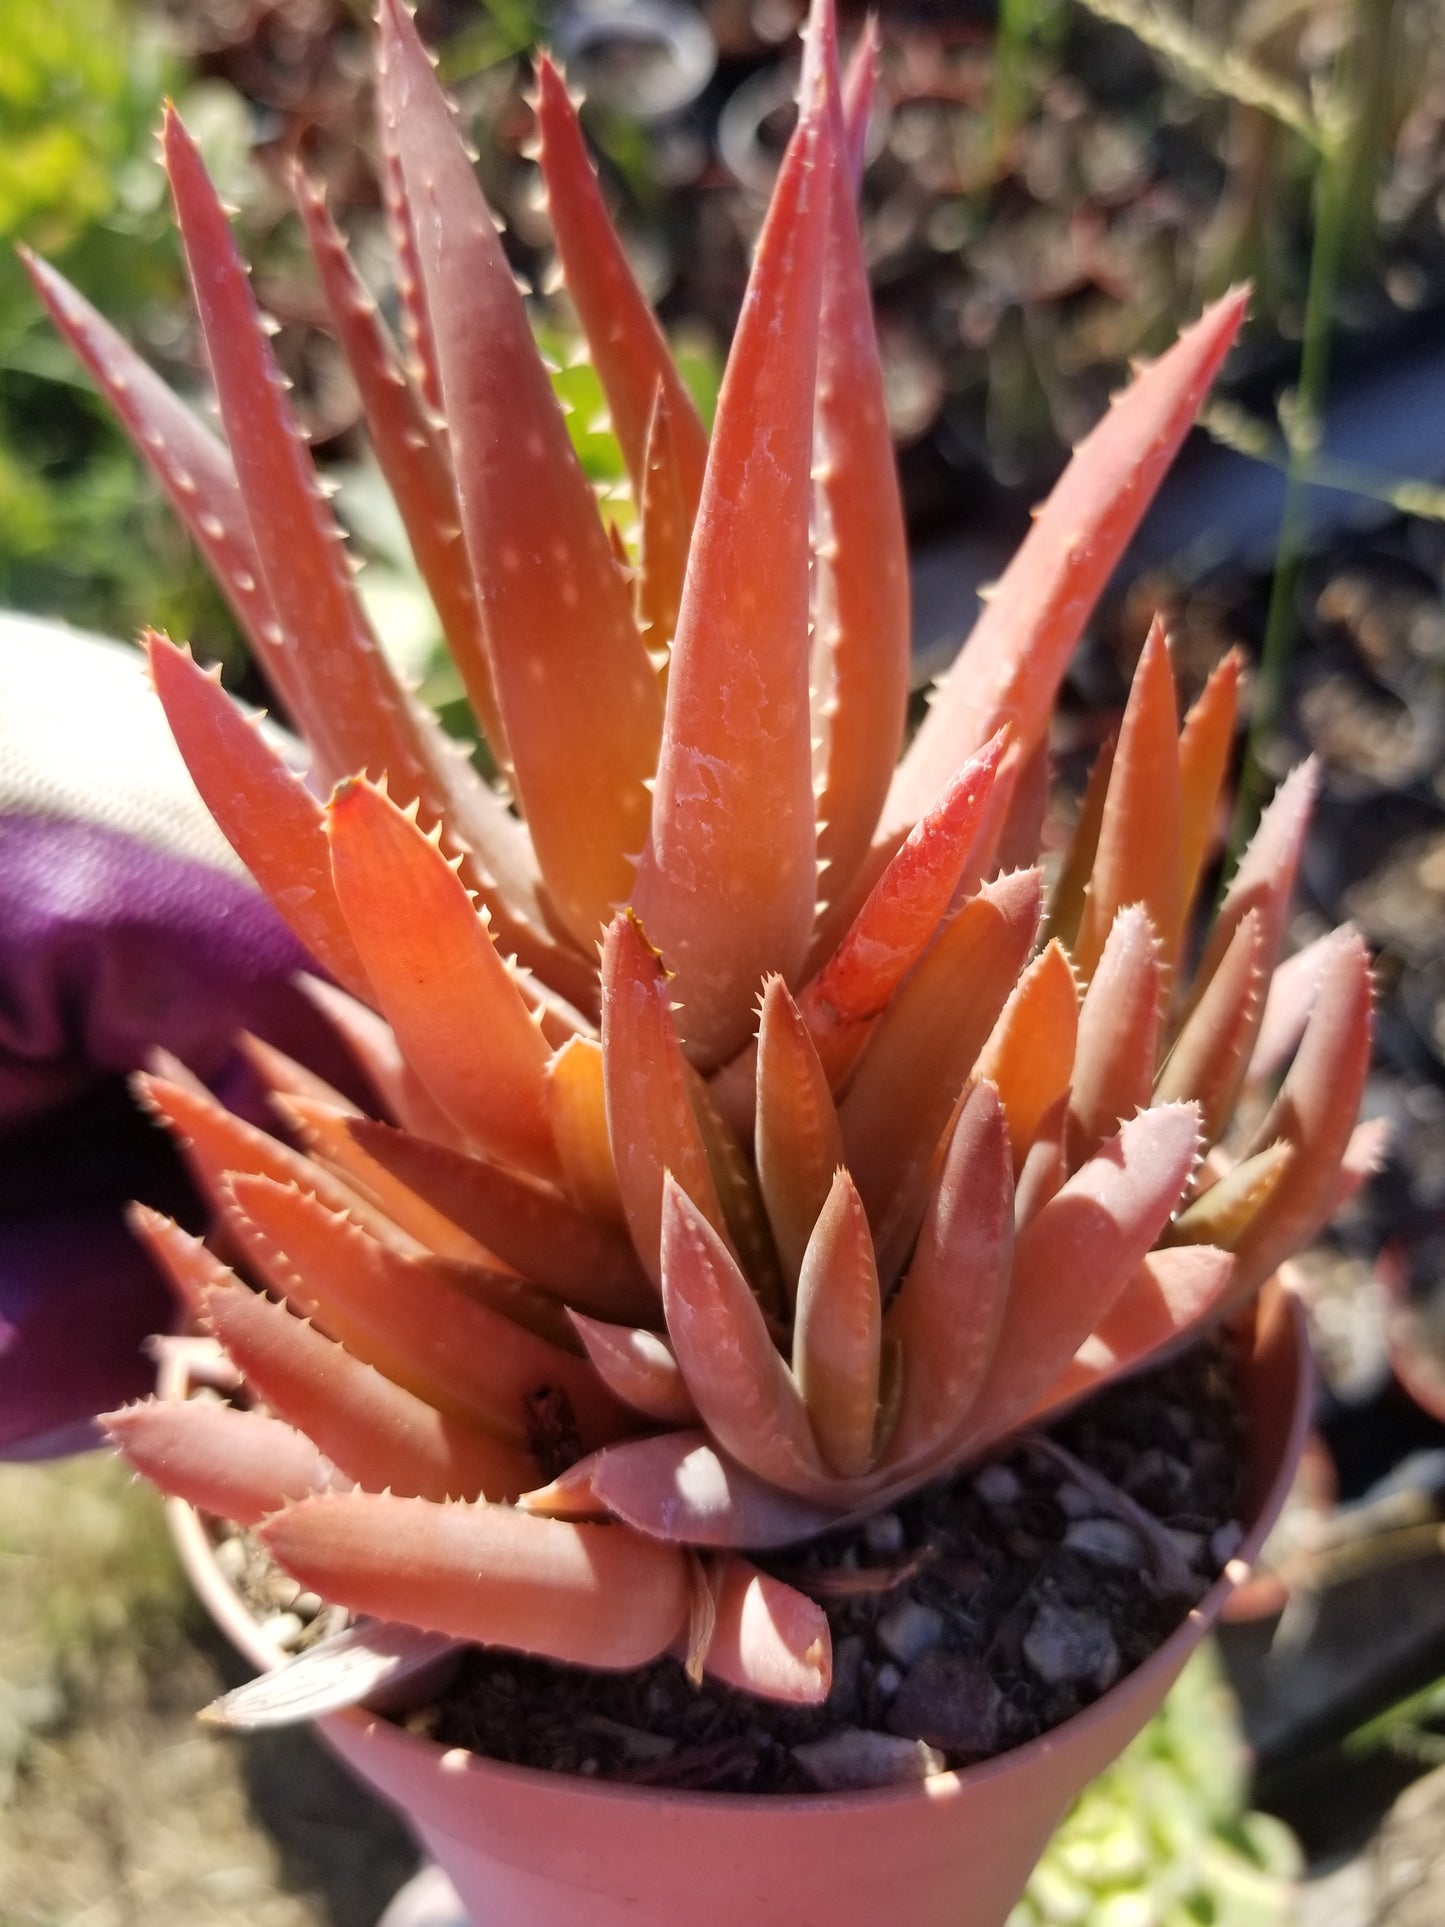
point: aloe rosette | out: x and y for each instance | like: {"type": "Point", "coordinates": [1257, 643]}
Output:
{"type": "Point", "coordinates": [866, 1145]}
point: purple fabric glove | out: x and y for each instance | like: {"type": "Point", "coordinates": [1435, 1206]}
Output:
{"type": "Point", "coordinates": [125, 922]}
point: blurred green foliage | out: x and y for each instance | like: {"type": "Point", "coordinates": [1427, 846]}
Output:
{"type": "Point", "coordinates": [1163, 1838]}
{"type": "Point", "coordinates": [83, 534]}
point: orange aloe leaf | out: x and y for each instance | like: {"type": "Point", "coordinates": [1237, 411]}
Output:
{"type": "Point", "coordinates": [743, 1389]}
{"type": "Point", "coordinates": [911, 1074]}
{"type": "Point", "coordinates": [264, 809]}
{"type": "Point", "coordinates": [1222, 1214]}
{"type": "Point", "coordinates": [1075, 1258]}
{"type": "Point", "coordinates": [405, 1317]}
{"type": "Point", "coordinates": [624, 339]}
{"type": "Point", "coordinates": [214, 1141]}
{"type": "Point", "coordinates": [326, 1132]}
{"type": "Point", "coordinates": [1044, 1167]}
{"type": "Point", "coordinates": [727, 883]}
{"type": "Point", "coordinates": [1118, 1041]}
{"type": "Point", "coordinates": [768, 1638]}
{"type": "Point", "coordinates": [1163, 1305]}
{"type": "Point", "coordinates": [458, 1015]}
{"type": "Point", "coordinates": [640, 1368]}
{"type": "Point", "coordinates": [1314, 1112]}
{"type": "Point", "coordinates": [578, 697]}
{"type": "Point", "coordinates": [577, 1107]}
{"type": "Point", "coordinates": [838, 1332]}
{"type": "Point", "coordinates": [1264, 881]}
{"type": "Point", "coordinates": [650, 1118]}
{"type": "Point", "coordinates": [1210, 1056]}
{"type": "Point", "coordinates": [949, 1309]}
{"type": "Point", "coordinates": [799, 1144]}
{"type": "Point", "coordinates": [383, 1437]}
{"type": "Point", "coordinates": [901, 916]}
{"type": "Point", "coordinates": [1030, 1056]}
{"type": "Point", "coordinates": [1066, 901]}
{"type": "Point", "coordinates": [1011, 666]}
{"type": "Point", "coordinates": [590, 1595]}
{"type": "Point", "coordinates": [666, 532]}
{"type": "Point", "coordinates": [183, 1261]}
{"type": "Point", "coordinates": [677, 1485]}
{"type": "Point", "coordinates": [861, 623]}
{"type": "Point", "coordinates": [745, 1217]}
{"type": "Point", "coordinates": [191, 464]}
{"type": "Point", "coordinates": [528, 1224]}
{"type": "Point", "coordinates": [237, 1465]}
{"type": "Point", "coordinates": [410, 453]}
{"type": "Point", "coordinates": [1204, 749]}
{"type": "Point", "coordinates": [284, 1077]}
{"type": "Point", "coordinates": [1137, 858]}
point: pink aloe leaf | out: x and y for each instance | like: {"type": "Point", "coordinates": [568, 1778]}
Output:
{"type": "Point", "coordinates": [1205, 744]}
{"type": "Point", "coordinates": [921, 1050]}
{"type": "Point", "coordinates": [860, 83]}
{"type": "Point", "coordinates": [650, 1117]}
{"type": "Point", "coordinates": [1118, 1038]}
{"type": "Point", "coordinates": [679, 1486]}
{"type": "Point", "coordinates": [1314, 1112]}
{"type": "Point", "coordinates": [1364, 1155]}
{"type": "Point", "coordinates": [1210, 1056]}
{"type": "Point", "coordinates": [237, 1465]}
{"type": "Point", "coordinates": [1044, 1166]}
{"type": "Point", "coordinates": [578, 697]}
{"type": "Point", "coordinates": [838, 1332]}
{"type": "Point", "coordinates": [1163, 1306]}
{"type": "Point", "coordinates": [184, 1262]}
{"type": "Point", "coordinates": [591, 1595]}
{"type": "Point", "coordinates": [1223, 1213]}
{"type": "Point", "coordinates": [743, 1389]}
{"type": "Point", "coordinates": [1013, 661]}
{"type": "Point", "coordinates": [1287, 1005]}
{"type": "Point", "coordinates": [284, 1077]}
{"type": "Point", "coordinates": [1136, 860]}
{"type": "Point", "coordinates": [625, 342]}
{"type": "Point", "coordinates": [950, 1307]}
{"type": "Point", "coordinates": [727, 883]}
{"type": "Point", "coordinates": [861, 622]}
{"type": "Point", "coordinates": [734, 1175]}
{"type": "Point", "coordinates": [768, 1638]}
{"type": "Point", "coordinates": [411, 454]}
{"type": "Point", "coordinates": [408, 1318]}
{"type": "Point", "coordinates": [1265, 879]}
{"type": "Point", "coordinates": [191, 464]}
{"type": "Point", "coordinates": [530, 1226]}
{"type": "Point", "coordinates": [799, 1144]}
{"type": "Point", "coordinates": [383, 1437]}
{"type": "Point", "coordinates": [265, 811]}
{"type": "Point", "coordinates": [1030, 1056]}
{"type": "Point", "coordinates": [640, 1368]}
{"type": "Point", "coordinates": [1073, 1260]}
{"type": "Point", "coordinates": [457, 1012]}
{"type": "Point", "coordinates": [344, 1669]}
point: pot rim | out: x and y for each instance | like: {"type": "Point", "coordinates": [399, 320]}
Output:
{"type": "Point", "coordinates": [1278, 1306]}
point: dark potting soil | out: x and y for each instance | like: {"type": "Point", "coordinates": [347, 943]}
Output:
{"type": "Point", "coordinates": [975, 1615]}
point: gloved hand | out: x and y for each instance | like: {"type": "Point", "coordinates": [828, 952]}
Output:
{"type": "Point", "coordinates": [126, 922]}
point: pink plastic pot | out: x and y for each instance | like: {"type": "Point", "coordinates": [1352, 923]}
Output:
{"type": "Point", "coordinates": [528, 1849]}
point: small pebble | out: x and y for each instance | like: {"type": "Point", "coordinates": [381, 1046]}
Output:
{"type": "Point", "coordinates": [883, 1535]}
{"type": "Point", "coordinates": [1226, 1542]}
{"type": "Point", "coordinates": [854, 1757]}
{"type": "Point", "coordinates": [1064, 1647]}
{"type": "Point", "coordinates": [1075, 1503]}
{"type": "Point", "coordinates": [281, 1591]}
{"type": "Point", "coordinates": [1190, 1544]}
{"type": "Point", "coordinates": [997, 1485]}
{"type": "Point", "coordinates": [949, 1700]}
{"type": "Point", "coordinates": [308, 1604]}
{"type": "Point", "coordinates": [847, 1665]}
{"type": "Point", "coordinates": [282, 1629]}
{"type": "Point", "coordinates": [907, 1632]}
{"type": "Point", "coordinates": [231, 1557]}
{"type": "Point", "coordinates": [887, 1680]}
{"type": "Point", "coordinates": [1109, 1542]}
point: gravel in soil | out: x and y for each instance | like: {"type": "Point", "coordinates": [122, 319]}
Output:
{"type": "Point", "coordinates": [974, 1616]}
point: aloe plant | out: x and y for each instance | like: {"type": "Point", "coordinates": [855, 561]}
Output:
{"type": "Point", "coordinates": [864, 1146]}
